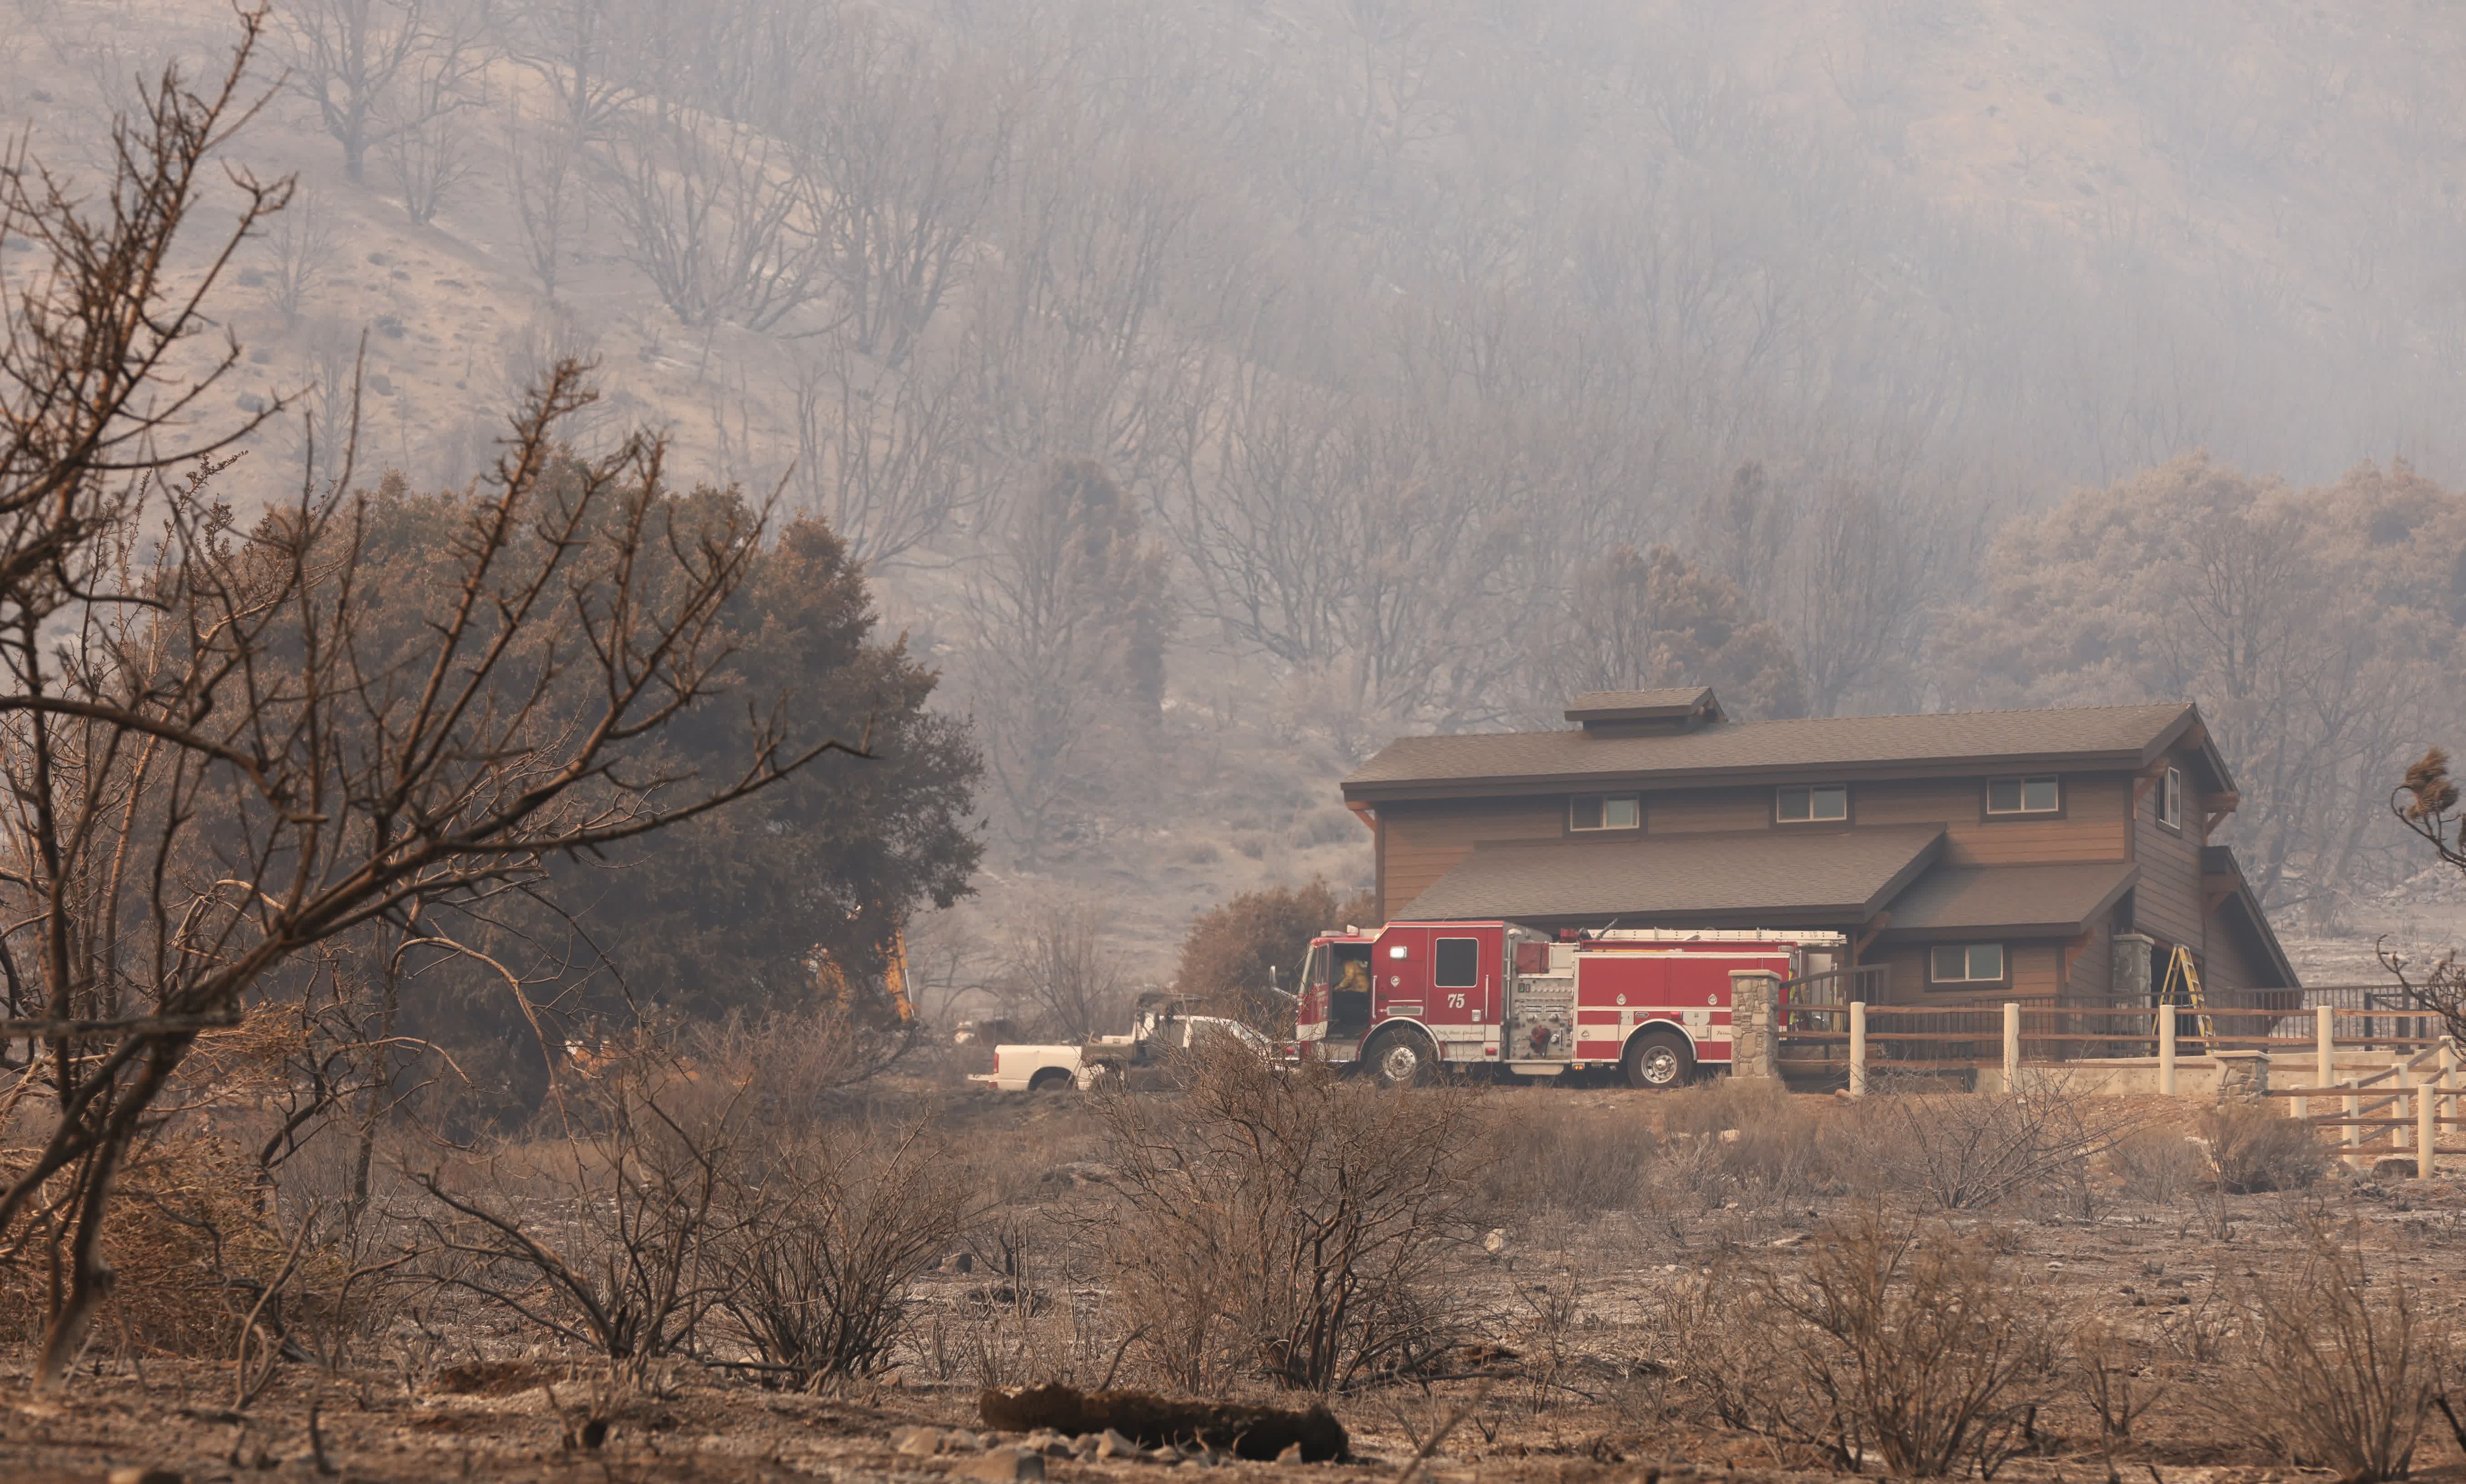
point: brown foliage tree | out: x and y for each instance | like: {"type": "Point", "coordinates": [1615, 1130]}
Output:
{"type": "Point", "coordinates": [1235, 951]}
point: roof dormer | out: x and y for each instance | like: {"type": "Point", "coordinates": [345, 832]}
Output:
{"type": "Point", "coordinates": [1628, 713]}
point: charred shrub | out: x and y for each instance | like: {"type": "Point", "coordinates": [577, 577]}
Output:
{"type": "Point", "coordinates": [1557, 1156]}
{"type": "Point", "coordinates": [1895, 1337]}
{"type": "Point", "coordinates": [604, 1232]}
{"type": "Point", "coordinates": [2157, 1165]}
{"type": "Point", "coordinates": [2253, 1148]}
{"type": "Point", "coordinates": [188, 1248]}
{"type": "Point", "coordinates": [1285, 1223]}
{"type": "Point", "coordinates": [1970, 1151]}
{"type": "Point", "coordinates": [2333, 1369]}
{"type": "Point", "coordinates": [1750, 1140]}
{"type": "Point", "coordinates": [815, 1273]}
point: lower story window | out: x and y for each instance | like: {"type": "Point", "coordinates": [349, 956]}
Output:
{"type": "Point", "coordinates": [1966, 963]}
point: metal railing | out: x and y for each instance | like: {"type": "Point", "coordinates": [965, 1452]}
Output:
{"type": "Point", "coordinates": [1836, 987]}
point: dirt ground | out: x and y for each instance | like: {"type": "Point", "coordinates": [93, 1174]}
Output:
{"type": "Point", "coordinates": [1572, 1382]}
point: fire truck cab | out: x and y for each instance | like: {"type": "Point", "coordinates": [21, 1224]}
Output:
{"type": "Point", "coordinates": [1409, 999]}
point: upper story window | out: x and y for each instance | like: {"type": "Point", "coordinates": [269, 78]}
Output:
{"type": "Point", "coordinates": [1604, 811]}
{"type": "Point", "coordinates": [1811, 803]}
{"type": "Point", "coordinates": [2170, 798]}
{"type": "Point", "coordinates": [2025, 796]}
{"type": "Point", "coordinates": [1966, 963]}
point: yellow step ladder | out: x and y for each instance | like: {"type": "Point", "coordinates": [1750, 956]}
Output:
{"type": "Point", "coordinates": [2180, 970]}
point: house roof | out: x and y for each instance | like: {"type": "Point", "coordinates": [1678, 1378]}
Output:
{"type": "Point", "coordinates": [2102, 737]}
{"type": "Point", "coordinates": [2018, 901]}
{"type": "Point", "coordinates": [1772, 878]}
{"type": "Point", "coordinates": [2218, 864]}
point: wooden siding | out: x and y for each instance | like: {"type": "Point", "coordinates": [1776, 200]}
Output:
{"type": "Point", "coordinates": [1699, 811]}
{"type": "Point", "coordinates": [2095, 825]}
{"type": "Point", "coordinates": [1906, 984]}
{"type": "Point", "coordinates": [2036, 971]}
{"type": "Point", "coordinates": [2094, 828]}
{"type": "Point", "coordinates": [2091, 981]}
{"type": "Point", "coordinates": [2167, 903]}
{"type": "Point", "coordinates": [1421, 842]}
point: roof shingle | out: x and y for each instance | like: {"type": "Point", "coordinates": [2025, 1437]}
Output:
{"type": "Point", "coordinates": [1786, 880]}
{"type": "Point", "coordinates": [2111, 734]}
{"type": "Point", "coordinates": [2019, 900]}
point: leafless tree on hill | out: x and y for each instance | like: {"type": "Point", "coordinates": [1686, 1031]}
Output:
{"type": "Point", "coordinates": [1066, 618]}
{"type": "Point", "coordinates": [328, 402]}
{"type": "Point", "coordinates": [1059, 961]}
{"type": "Point", "coordinates": [910, 148]}
{"type": "Point", "coordinates": [1854, 597]}
{"type": "Point", "coordinates": [546, 165]}
{"type": "Point", "coordinates": [301, 248]}
{"type": "Point", "coordinates": [589, 53]}
{"type": "Point", "coordinates": [1373, 543]}
{"type": "Point", "coordinates": [715, 215]}
{"type": "Point", "coordinates": [1094, 225]}
{"type": "Point", "coordinates": [1635, 619]}
{"type": "Point", "coordinates": [425, 144]}
{"type": "Point", "coordinates": [354, 59]}
{"type": "Point", "coordinates": [881, 455]}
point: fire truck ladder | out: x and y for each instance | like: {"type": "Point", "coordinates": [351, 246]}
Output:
{"type": "Point", "coordinates": [2180, 970]}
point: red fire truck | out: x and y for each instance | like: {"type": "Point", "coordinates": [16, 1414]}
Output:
{"type": "Point", "coordinates": [1410, 998]}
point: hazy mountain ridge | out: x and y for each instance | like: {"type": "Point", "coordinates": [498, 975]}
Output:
{"type": "Point", "coordinates": [1954, 257]}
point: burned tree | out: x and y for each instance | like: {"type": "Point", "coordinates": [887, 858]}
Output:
{"type": "Point", "coordinates": [2426, 802]}
{"type": "Point", "coordinates": [208, 772]}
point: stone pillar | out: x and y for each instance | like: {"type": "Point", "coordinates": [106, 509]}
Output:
{"type": "Point", "coordinates": [2130, 963]}
{"type": "Point", "coordinates": [2241, 1073]}
{"type": "Point", "coordinates": [1755, 1023]}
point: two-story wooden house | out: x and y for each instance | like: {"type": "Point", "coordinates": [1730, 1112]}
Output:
{"type": "Point", "coordinates": [2055, 854]}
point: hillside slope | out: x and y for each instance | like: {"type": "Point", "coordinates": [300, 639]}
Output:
{"type": "Point", "coordinates": [1985, 250]}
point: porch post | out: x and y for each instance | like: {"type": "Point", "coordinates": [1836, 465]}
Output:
{"type": "Point", "coordinates": [2325, 1038]}
{"type": "Point", "coordinates": [1857, 1048]}
{"type": "Point", "coordinates": [2423, 1130]}
{"type": "Point", "coordinates": [2011, 1045]}
{"type": "Point", "coordinates": [2166, 1049]}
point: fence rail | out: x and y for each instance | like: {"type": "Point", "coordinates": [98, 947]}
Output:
{"type": "Point", "coordinates": [2381, 1067]}
{"type": "Point", "coordinates": [1859, 1036]}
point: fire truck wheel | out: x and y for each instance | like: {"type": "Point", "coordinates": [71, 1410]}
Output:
{"type": "Point", "coordinates": [1658, 1059]}
{"type": "Point", "coordinates": [1401, 1058]}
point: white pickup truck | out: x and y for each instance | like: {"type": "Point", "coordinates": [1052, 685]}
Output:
{"type": "Point", "coordinates": [1157, 1025]}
